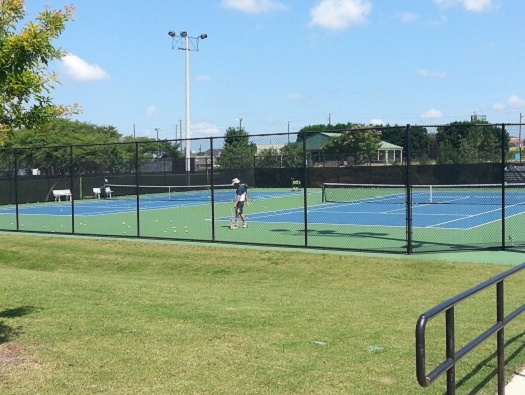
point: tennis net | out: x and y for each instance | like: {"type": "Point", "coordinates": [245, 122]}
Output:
{"type": "Point", "coordinates": [489, 194]}
{"type": "Point", "coordinates": [220, 192]}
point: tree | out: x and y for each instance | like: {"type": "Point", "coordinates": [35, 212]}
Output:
{"type": "Point", "coordinates": [25, 81]}
{"type": "Point", "coordinates": [471, 142]}
{"type": "Point", "coordinates": [356, 142]}
{"type": "Point", "coordinates": [269, 157]}
{"type": "Point", "coordinates": [419, 139]}
{"type": "Point", "coordinates": [95, 148]}
{"type": "Point", "coordinates": [292, 155]}
{"type": "Point", "coordinates": [238, 151]}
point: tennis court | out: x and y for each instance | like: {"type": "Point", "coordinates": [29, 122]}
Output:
{"type": "Point", "coordinates": [337, 216]}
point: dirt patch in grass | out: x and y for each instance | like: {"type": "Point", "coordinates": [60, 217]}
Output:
{"type": "Point", "coordinates": [11, 353]}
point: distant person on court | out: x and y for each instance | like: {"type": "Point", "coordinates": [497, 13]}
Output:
{"type": "Point", "coordinates": [241, 198]}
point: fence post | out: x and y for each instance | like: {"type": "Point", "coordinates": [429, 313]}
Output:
{"type": "Point", "coordinates": [305, 196]}
{"type": "Point", "coordinates": [503, 184]}
{"type": "Point", "coordinates": [15, 157]}
{"type": "Point", "coordinates": [72, 189]}
{"type": "Point", "coordinates": [408, 191]}
{"type": "Point", "coordinates": [137, 181]}
{"type": "Point", "coordinates": [212, 193]}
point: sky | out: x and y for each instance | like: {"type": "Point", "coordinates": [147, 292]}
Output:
{"type": "Point", "coordinates": [281, 65]}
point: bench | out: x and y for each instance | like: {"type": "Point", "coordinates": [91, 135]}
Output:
{"type": "Point", "coordinates": [97, 192]}
{"type": "Point", "coordinates": [58, 193]}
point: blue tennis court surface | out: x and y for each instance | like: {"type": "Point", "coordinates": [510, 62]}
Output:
{"type": "Point", "coordinates": [434, 216]}
{"type": "Point", "coordinates": [92, 207]}
{"type": "Point", "coordinates": [452, 215]}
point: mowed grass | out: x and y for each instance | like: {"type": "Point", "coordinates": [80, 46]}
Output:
{"type": "Point", "coordinates": [83, 316]}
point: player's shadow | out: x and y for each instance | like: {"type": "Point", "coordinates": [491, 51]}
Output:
{"type": "Point", "coordinates": [8, 332]}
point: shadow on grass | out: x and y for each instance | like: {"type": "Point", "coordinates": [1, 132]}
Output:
{"type": "Point", "coordinates": [7, 332]}
{"type": "Point", "coordinates": [489, 362]}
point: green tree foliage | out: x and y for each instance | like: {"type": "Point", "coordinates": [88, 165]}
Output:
{"type": "Point", "coordinates": [25, 81]}
{"type": "Point", "coordinates": [356, 142]}
{"type": "Point", "coordinates": [419, 139]}
{"type": "Point", "coordinates": [470, 142]}
{"type": "Point", "coordinates": [93, 148]}
{"type": "Point", "coordinates": [293, 155]}
{"type": "Point", "coordinates": [238, 152]}
{"type": "Point", "coordinates": [289, 156]}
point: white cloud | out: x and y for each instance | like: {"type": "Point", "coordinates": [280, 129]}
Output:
{"type": "Point", "coordinates": [407, 17]}
{"type": "Point", "coordinates": [296, 96]}
{"type": "Point", "coordinates": [431, 74]}
{"type": "Point", "coordinates": [376, 122]}
{"type": "Point", "coordinates": [204, 129]}
{"type": "Point", "coordinates": [512, 102]}
{"type": "Point", "coordinates": [432, 114]}
{"type": "Point", "coordinates": [203, 78]}
{"type": "Point", "coordinates": [515, 102]}
{"type": "Point", "coordinates": [254, 6]}
{"type": "Point", "coordinates": [340, 14]}
{"type": "Point", "coordinates": [469, 5]}
{"type": "Point", "coordinates": [80, 70]}
{"type": "Point", "coordinates": [152, 111]}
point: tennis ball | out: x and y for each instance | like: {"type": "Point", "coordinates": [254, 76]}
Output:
{"type": "Point", "coordinates": [123, 223]}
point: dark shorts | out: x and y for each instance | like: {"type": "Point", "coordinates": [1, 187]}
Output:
{"type": "Point", "coordinates": [240, 206]}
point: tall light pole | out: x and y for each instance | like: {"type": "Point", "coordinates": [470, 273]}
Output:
{"type": "Point", "coordinates": [288, 124]}
{"type": "Point", "coordinates": [240, 123]}
{"type": "Point", "coordinates": [158, 146]}
{"type": "Point", "coordinates": [190, 44]}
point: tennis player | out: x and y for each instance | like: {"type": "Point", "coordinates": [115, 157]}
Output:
{"type": "Point", "coordinates": [241, 198]}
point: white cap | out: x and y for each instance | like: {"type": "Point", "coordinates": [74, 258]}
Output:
{"type": "Point", "coordinates": [236, 181]}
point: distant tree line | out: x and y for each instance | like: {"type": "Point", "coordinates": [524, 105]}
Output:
{"type": "Point", "coordinates": [95, 149]}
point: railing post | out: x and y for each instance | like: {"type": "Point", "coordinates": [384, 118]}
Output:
{"type": "Point", "coordinates": [450, 351]}
{"type": "Point", "coordinates": [500, 317]}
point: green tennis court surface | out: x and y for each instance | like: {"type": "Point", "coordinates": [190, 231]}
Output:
{"type": "Point", "coordinates": [369, 220]}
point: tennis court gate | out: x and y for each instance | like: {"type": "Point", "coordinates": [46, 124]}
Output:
{"type": "Point", "coordinates": [334, 173]}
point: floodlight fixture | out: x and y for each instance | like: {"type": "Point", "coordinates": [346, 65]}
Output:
{"type": "Point", "coordinates": [190, 44]}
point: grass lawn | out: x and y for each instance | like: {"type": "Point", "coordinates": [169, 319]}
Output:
{"type": "Point", "coordinates": [82, 316]}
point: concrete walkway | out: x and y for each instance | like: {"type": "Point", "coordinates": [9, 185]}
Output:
{"type": "Point", "coordinates": [516, 385]}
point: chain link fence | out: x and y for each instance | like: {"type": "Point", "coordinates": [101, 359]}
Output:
{"type": "Point", "coordinates": [382, 189]}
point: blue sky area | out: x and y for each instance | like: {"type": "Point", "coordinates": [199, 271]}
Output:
{"type": "Point", "coordinates": [423, 62]}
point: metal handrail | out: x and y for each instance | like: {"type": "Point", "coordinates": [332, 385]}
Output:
{"type": "Point", "coordinates": [452, 355]}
